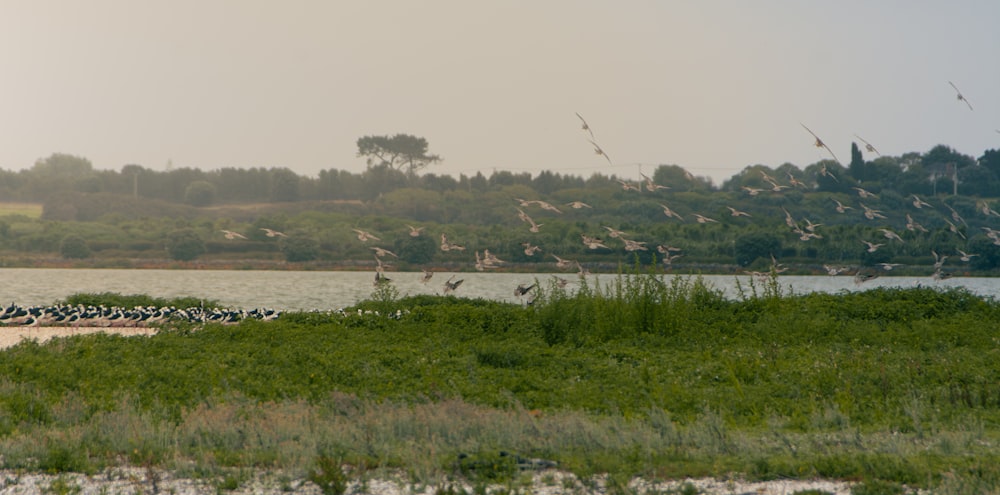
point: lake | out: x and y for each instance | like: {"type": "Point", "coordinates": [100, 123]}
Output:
{"type": "Point", "coordinates": [291, 290]}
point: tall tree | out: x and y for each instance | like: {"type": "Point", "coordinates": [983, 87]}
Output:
{"type": "Point", "coordinates": [402, 152]}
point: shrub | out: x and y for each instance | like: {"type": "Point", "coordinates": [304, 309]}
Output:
{"type": "Point", "coordinates": [74, 247]}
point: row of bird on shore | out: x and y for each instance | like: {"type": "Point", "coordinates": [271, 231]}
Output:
{"type": "Point", "coordinates": [115, 316]}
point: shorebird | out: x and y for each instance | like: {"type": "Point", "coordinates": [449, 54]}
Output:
{"type": "Point", "coordinates": [563, 264]}
{"type": "Point", "coordinates": [954, 229]}
{"type": "Point", "coordinates": [965, 256]}
{"type": "Point", "coordinates": [841, 208]}
{"type": "Point", "coordinates": [960, 96]}
{"type": "Point", "coordinates": [450, 286]}
{"type": "Point", "coordinates": [365, 236]}
{"type": "Point", "coordinates": [581, 271]}
{"type": "Point", "coordinates": [593, 242]}
{"type": "Point", "coordinates": [427, 276]}
{"type": "Point", "coordinates": [272, 233]}
{"type": "Point", "coordinates": [889, 266]}
{"type": "Point", "coordinates": [834, 270]}
{"type": "Point", "coordinates": [868, 146]}
{"type": "Point", "coordinates": [665, 249]}
{"type": "Point", "coordinates": [826, 173]}
{"type": "Point", "coordinates": [576, 205]}
{"type": "Point", "coordinates": [650, 185]}
{"type": "Point", "coordinates": [938, 259]}
{"type": "Point", "coordinates": [811, 227]}
{"type": "Point", "coordinates": [670, 213]}
{"type": "Point", "coordinates": [955, 216]}
{"type": "Point", "coordinates": [379, 252]}
{"type": "Point", "coordinates": [889, 234]}
{"type": "Point", "coordinates": [599, 151]}
{"type": "Point", "coordinates": [380, 278]}
{"type": "Point", "coordinates": [737, 213]}
{"type": "Point", "coordinates": [547, 206]}
{"type": "Point", "coordinates": [534, 227]}
{"type": "Point", "coordinates": [447, 245]}
{"type": "Point", "coordinates": [523, 289]}
{"type": "Point", "coordinates": [919, 203]}
{"type": "Point", "coordinates": [631, 245]}
{"type": "Point", "coordinates": [669, 259]}
{"type": "Point", "coordinates": [491, 259]}
{"type": "Point", "coordinates": [703, 219]}
{"type": "Point", "coordinates": [985, 208]}
{"type": "Point", "coordinates": [865, 194]}
{"type": "Point", "coordinates": [871, 213]}
{"type": "Point", "coordinates": [529, 249]}
{"type": "Point", "coordinates": [789, 220]}
{"type": "Point", "coordinates": [415, 231]}
{"type": "Point", "coordinates": [795, 182]}
{"type": "Point", "coordinates": [559, 281]}
{"type": "Point", "coordinates": [628, 186]}
{"type": "Point", "coordinates": [819, 143]}
{"type": "Point", "coordinates": [753, 191]}
{"type": "Point", "coordinates": [585, 126]}
{"type": "Point", "coordinates": [912, 224]}
{"type": "Point", "coordinates": [872, 247]}
{"type": "Point", "coordinates": [863, 276]}
{"type": "Point", "coordinates": [615, 233]}
{"type": "Point", "coordinates": [229, 234]}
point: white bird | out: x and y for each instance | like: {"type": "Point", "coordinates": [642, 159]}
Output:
{"type": "Point", "coordinates": [529, 249]}
{"type": "Point", "coordinates": [912, 224]}
{"type": "Point", "coordinates": [753, 191]}
{"type": "Point", "coordinates": [956, 217]}
{"type": "Point", "coordinates": [889, 266]}
{"type": "Point", "coordinates": [593, 242]}
{"type": "Point", "coordinates": [864, 193]}
{"type": "Point", "coordinates": [965, 256]}
{"type": "Point", "coordinates": [380, 252]}
{"type": "Point", "coordinates": [415, 231]}
{"type": "Point", "coordinates": [650, 185]}
{"type": "Point", "coordinates": [272, 233]}
{"type": "Point", "coordinates": [576, 205]}
{"type": "Point", "coordinates": [365, 236]}
{"type": "Point", "coordinates": [834, 270]}
{"type": "Point", "coordinates": [561, 263]}
{"type": "Point", "coordinates": [628, 186]}
{"type": "Point", "coordinates": [614, 232]}
{"type": "Point", "coordinates": [871, 213]}
{"type": "Point", "coordinates": [954, 229]}
{"type": "Point", "coordinates": [229, 234]}
{"type": "Point", "coordinates": [703, 219]}
{"type": "Point", "coordinates": [872, 247]}
{"type": "Point", "coordinates": [960, 96]}
{"type": "Point", "coordinates": [631, 245]}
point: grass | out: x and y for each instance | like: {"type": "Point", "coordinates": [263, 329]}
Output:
{"type": "Point", "coordinates": [28, 210]}
{"type": "Point", "coordinates": [655, 378]}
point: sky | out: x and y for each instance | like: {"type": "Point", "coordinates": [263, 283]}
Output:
{"type": "Point", "coordinates": [713, 85]}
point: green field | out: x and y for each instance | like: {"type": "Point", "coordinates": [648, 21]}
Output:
{"type": "Point", "coordinates": [30, 210]}
{"type": "Point", "coordinates": [889, 387]}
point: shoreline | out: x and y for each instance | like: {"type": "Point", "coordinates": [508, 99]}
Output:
{"type": "Point", "coordinates": [13, 335]}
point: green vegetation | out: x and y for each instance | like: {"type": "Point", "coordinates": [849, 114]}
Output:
{"type": "Point", "coordinates": [652, 376]}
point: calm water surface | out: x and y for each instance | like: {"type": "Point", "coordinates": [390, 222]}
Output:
{"type": "Point", "coordinates": [287, 290]}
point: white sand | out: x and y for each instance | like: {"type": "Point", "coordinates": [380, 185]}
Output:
{"type": "Point", "coordinates": [10, 336]}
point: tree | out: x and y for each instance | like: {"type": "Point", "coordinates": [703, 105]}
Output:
{"type": "Point", "coordinates": [417, 250]}
{"type": "Point", "coordinates": [401, 152]}
{"type": "Point", "coordinates": [284, 185]}
{"type": "Point", "coordinates": [74, 247]}
{"type": "Point", "coordinates": [299, 246]}
{"type": "Point", "coordinates": [749, 247]}
{"type": "Point", "coordinates": [199, 193]}
{"type": "Point", "coordinates": [185, 245]}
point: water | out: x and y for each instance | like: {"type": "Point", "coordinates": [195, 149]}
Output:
{"type": "Point", "coordinates": [290, 290]}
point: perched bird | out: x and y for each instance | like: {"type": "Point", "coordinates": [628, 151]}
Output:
{"type": "Point", "coordinates": [229, 234]}
{"type": "Point", "coordinates": [272, 233]}
{"type": "Point", "coordinates": [365, 236]}
{"type": "Point", "coordinates": [868, 146]}
{"type": "Point", "coordinates": [450, 286]}
{"type": "Point", "coordinates": [960, 96]}
{"type": "Point", "coordinates": [820, 144]}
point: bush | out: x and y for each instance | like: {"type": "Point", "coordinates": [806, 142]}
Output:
{"type": "Point", "coordinates": [74, 247]}
{"type": "Point", "coordinates": [185, 245]}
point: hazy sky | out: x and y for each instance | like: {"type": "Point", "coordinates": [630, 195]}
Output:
{"type": "Point", "coordinates": [710, 85]}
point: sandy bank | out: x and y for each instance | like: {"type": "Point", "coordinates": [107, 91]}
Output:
{"type": "Point", "coordinates": [10, 336]}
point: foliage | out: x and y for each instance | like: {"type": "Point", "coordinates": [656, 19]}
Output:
{"type": "Point", "coordinates": [199, 193]}
{"type": "Point", "coordinates": [300, 246]}
{"type": "Point", "coordinates": [184, 245]}
{"type": "Point", "coordinates": [401, 152]}
{"type": "Point", "coordinates": [754, 245]}
{"type": "Point", "coordinates": [114, 299]}
{"type": "Point", "coordinates": [74, 247]}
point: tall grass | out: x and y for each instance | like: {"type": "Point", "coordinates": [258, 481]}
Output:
{"type": "Point", "coordinates": [647, 375]}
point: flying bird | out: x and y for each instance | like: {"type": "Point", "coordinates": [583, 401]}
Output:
{"type": "Point", "coordinates": [919, 203]}
{"type": "Point", "coordinates": [365, 236]}
{"type": "Point", "coordinates": [960, 96]}
{"type": "Point", "coordinates": [868, 146]}
{"type": "Point", "coordinates": [841, 208]}
{"type": "Point", "coordinates": [273, 233]}
{"type": "Point", "coordinates": [872, 247]}
{"type": "Point", "coordinates": [585, 126]}
{"type": "Point", "coordinates": [380, 253]}
{"type": "Point", "coordinates": [819, 143]}
{"type": "Point", "coordinates": [415, 231]}
{"type": "Point", "coordinates": [450, 286]}
{"type": "Point", "coordinates": [229, 234]}
{"type": "Point", "coordinates": [737, 213]}
{"type": "Point", "coordinates": [599, 151]}
{"type": "Point", "coordinates": [529, 249]}
{"type": "Point", "coordinates": [576, 205]}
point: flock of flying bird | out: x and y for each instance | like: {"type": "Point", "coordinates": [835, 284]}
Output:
{"type": "Point", "coordinates": [804, 229]}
